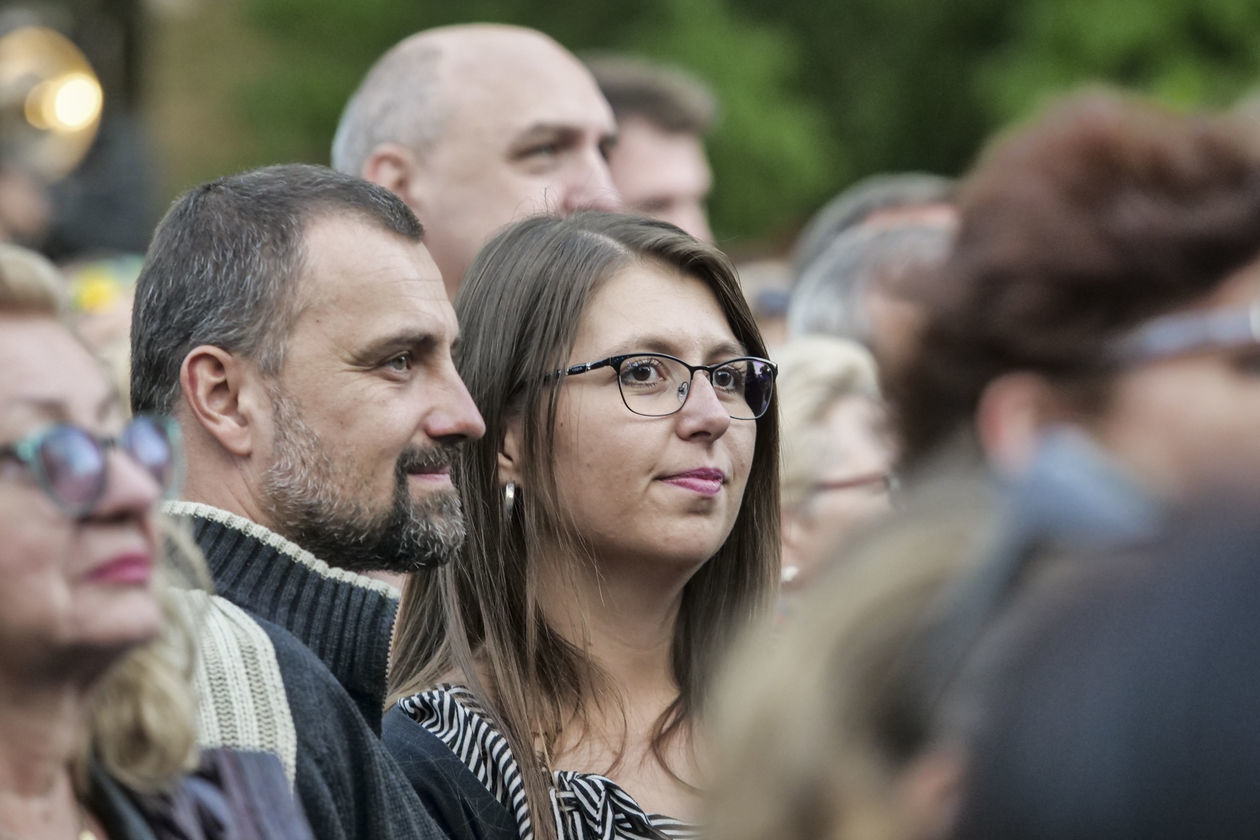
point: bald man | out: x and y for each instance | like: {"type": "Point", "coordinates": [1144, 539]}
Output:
{"type": "Point", "coordinates": [476, 126]}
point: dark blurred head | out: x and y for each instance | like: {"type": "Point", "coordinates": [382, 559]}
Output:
{"type": "Point", "coordinates": [1075, 231]}
{"type": "Point", "coordinates": [1123, 705]}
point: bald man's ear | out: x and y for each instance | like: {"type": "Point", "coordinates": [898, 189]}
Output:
{"type": "Point", "coordinates": [1014, 410]}
{"type": "Point", "coordinates": [393, 167]}
{"type": "Point", "coordinates": [224, 397]}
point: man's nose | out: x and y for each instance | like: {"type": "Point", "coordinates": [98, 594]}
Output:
{"type": "Point", "coordinates": [591, 186]}
{"type": "Point", "coordinates": [454, 416]}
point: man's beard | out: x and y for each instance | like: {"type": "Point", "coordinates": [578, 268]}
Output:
{"type": "Point", "coordinates": [309, 503]}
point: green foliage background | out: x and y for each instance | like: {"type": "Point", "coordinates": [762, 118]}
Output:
{"type": "Point", "coordinates": [815, 94]}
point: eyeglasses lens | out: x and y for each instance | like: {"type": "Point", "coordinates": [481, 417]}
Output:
{"type": "Point", "coordinates": [73, 465]}
{"type": "Point", "coordinates": [147, 441]}
{"type": "Point", "coordinates": [657, 386]}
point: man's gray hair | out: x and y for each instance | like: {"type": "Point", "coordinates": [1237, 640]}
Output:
{"type": "Point", "coordinates": [224, 265]}
{"type": "Point", "coordinates": [831, 297]}
{"type": "Point", "coordinates": [398, 101]}
{"type": "Point", "coordinates": [858, 202]}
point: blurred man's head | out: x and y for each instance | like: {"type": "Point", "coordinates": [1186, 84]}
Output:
{"type": "Point", "coordinates": [871, 284]}
{"type": "Point", "coordinates": [1103, 276]}
{"type": "Point", "coordinates": [888, 199]}
{"type": "Point", "coordinates": [475, 126]}
{"type": "Point", "coordinates": [659, 163]}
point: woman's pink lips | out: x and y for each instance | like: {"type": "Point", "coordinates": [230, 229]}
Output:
{"type": "Point", "coordinates": [135, 567]}
{"type": "Point", "coordinates": [706, 482]}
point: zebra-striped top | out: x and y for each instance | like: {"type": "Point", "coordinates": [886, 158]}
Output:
{"type": "Point", "coordinates": [586, 806]}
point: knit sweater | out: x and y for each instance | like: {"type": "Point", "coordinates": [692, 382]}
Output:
{"type": "Point", "coordinates": [295, 654]}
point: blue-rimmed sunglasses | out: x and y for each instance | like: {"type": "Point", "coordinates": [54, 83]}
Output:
{"type": "Point", "coordinates": [70, 463]}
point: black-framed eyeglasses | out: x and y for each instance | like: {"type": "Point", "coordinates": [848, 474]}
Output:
{"type": "Point", "coordinates": [70, 465]}
{"type": "Point", "coordinates": [657, 384]}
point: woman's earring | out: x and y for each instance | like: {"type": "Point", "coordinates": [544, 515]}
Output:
{"type": "Point", "coordinates": [509, 499]}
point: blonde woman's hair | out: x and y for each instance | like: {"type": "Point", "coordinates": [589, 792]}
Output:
{"type": "Point", "coordinates": [142, 727]}
{"type": "Point", "coordinates": [804, 747]}
{"type": "Point", "coordinates": [815, 372]}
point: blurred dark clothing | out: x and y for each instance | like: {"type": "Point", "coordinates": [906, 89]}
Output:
{"type": "Point", "coordinates": [231, 796]}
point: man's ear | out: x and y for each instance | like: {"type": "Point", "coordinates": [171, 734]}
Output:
{"type": "Point", "coordinates": [509, 455]}
{"type": "Point", "coordinates": [393, 167]}
{"type": "Point", "coordinates": [1013, 411]}
{"type": "Point", "coordinates": [223, 396]}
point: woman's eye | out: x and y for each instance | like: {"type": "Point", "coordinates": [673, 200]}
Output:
{"type": "Point", "coordinates": [727, 379]}
{"type": "Point", "coordinates": [641, 373]}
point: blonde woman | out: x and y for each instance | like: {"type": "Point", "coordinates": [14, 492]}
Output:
{"type": "Point", "coordinates": [837, 455]}
{"type": "Point", "coordinates": [96, 711]}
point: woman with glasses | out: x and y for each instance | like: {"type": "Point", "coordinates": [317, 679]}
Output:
{"type": "Point", "coordinates": [623, 525]}
{"type": "Point", "coordinates": [96, 653]}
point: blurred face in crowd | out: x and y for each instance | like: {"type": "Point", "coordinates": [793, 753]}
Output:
{"type": "Point", "coordinates": [852, 485]}
{"type": "Point", "coordinates": [78, 586]}
{"type": "Point", "coordinates": [1188, 421]}
{"type": "Point", "coordinates": [662, 174]}
{"type": "Point", "coordinates": [367, 408]}
{"type": "Point", "coordinates": [526, 131]}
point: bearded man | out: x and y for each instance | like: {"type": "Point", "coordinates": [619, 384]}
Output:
{"type": "Point", "coordinates": [292, 321]}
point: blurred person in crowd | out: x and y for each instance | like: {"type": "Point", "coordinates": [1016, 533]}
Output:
{"type": "Point", "coordinates": [101, 297]}
{"type": "Point", "coordinates": [96, 650]}
{"type": "Point", "coordinates": [909, 197]}
{"type": "Point", "coordinates": [1121, 702]}
{"type": "Point", "coordinates": [1094, 326]}
{"type": "Point", "coordinates": [26, 209]}
{"type": "Point", "coordinates": [808, 737]}
{"type": "Point", "coordinates": [837, 457]}
{"type": "Point", "coordinates": [659, 163]}
{"type": "Point", "coordinates": [623, 526]}
{"type": "Point", "coordinates": [292, 321]}
{"type": "Point", "coordinates": [476, 126]}
{"type": "Point", "coordinates": [765, 283]}
{"type": "Point", "coordinates": [871, 283]}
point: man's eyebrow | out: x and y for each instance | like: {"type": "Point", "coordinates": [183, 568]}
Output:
{"type": "Point", "coordinates": [409, 339]}
{"type": "Point", "coordinates": [545, 131]}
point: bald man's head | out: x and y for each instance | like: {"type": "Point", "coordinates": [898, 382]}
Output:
{"type": "Point", "coordinates": [475, 126]}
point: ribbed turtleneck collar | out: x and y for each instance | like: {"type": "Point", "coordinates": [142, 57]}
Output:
{"type": "Point", "coordinates": [345, 618]}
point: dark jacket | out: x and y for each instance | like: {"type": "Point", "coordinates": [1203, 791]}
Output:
{"type": "Point", "coordinates": [327, 633]}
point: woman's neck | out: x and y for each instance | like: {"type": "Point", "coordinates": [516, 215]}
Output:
{"type": "Point", "coordinates": [41, 733]}
{"type": "Point", "coordinates": [622, 617]}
